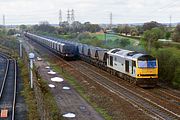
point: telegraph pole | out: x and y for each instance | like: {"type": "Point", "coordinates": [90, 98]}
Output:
{"type": "Point", "coordinates": [60, 17]}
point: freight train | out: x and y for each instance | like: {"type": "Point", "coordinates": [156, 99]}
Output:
{"type": "Point", "coordinates": [138, 68]}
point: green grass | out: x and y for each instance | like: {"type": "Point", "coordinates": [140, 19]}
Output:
{"type": "Point", "coordinates": [108, 36]}
{"type": "Point", "coordinates": [133, 37]}
{"type": "Point", "coordinates": [111, 41]}
{"type": "Point", "coordinates": [99, 36]}
{"type": "Point", "coordinates": [27, 92]}
{"type": "Point", "coordinates": [72, 81]}
{"type": "Point", "coordinates": [48, 99]}
{"type": "Point", "coordinates": [111, 37]}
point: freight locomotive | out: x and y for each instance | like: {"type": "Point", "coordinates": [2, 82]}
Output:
{"type": "Point", "coordinates": [138, 68]}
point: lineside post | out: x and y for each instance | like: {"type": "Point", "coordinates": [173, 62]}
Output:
{"type": "Point", "coordinates": [31, 58]}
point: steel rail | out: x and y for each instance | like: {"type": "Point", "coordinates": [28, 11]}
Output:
{"type": "Point", "coordinates": [15, 82]}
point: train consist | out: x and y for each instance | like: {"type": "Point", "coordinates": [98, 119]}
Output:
{"type": "Point", "coordinates": [138, 68]}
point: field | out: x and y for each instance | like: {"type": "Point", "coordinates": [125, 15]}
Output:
{"type": "Point", "coordinates": [111, 41]}
{"type": "Point", "coordinates": [111, 37]}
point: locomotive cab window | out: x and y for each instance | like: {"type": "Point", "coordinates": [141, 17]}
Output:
{"type": "Point", "coordinates": [134, 63]}
{"type": "Point", "coordinates": [146, 61]}
{"type": "Point", "coordinates": [147, 64]}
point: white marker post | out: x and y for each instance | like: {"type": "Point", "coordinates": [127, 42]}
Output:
{"type": "Point", "coordinates": [31, 57]}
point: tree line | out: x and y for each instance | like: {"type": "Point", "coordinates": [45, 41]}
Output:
{"type": "Point", "coordinates": [65, 27]}
{"type": "Point", "coordinates": [161, 31]}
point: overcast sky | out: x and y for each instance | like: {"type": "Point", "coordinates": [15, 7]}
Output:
{"type": "Point", "coordinates": [95, 11]}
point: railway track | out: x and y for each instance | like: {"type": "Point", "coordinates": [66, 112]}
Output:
{"type": "Point", "coordinates": [164, 96]}
{"type": "Point", "coordinates": [170, 92]}
{"type": "Point", "coordinates": [135, 99]}
{"type": "Point", "coordinates": [144, 104]}
{"type": "Point", "coordinates": [8, 87]}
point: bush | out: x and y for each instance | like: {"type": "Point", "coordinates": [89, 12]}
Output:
{"type": "Point", "coordinates": [176, 34]}
{"type": "Point", "coordinates": [11, 32]}
{"type": "Point", "coordinates": [169, 66]}
{"type": "Point", "coordinates": [121, 42]}
{"type": "Point", "coordinates": [85, 35]}
{"type": "Point", "coordinates": [176, 80]}
{"type": "Point", "coordinates": [168, 35]}
{"type": "Point", "coordinates": [124, 42]}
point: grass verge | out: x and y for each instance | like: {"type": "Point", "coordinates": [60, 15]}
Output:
{"type": "Point", "coordinates": [27, 92]}
{"type": "Point", "coordinates": [48, 99]}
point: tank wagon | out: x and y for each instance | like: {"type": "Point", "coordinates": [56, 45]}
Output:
{"type": "Point", "coordinates": [65, 49]}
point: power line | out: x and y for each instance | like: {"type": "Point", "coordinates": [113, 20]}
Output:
{"type": "Point", "coordinates": [167, 6]}
{"type": "Point", "coordinates": [171, 4]}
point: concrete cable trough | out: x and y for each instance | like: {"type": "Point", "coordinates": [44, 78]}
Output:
{"type": "Point", "coordinates": [69, 115]}
{"type": "Point", "coordinates": [51, 72]}
{"type": "Point", "coordinates": [57, 79]}
{"type": "Point", "coordinates": [66, 88]}
{"type": "Point", "coordinates": [51, 86]}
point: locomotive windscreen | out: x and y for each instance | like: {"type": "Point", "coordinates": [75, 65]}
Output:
{"type": "Point", "coordinates": [147, 64]}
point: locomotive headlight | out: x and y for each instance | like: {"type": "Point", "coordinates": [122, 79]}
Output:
{"type": "Point", "coordinates": [66, 54]}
